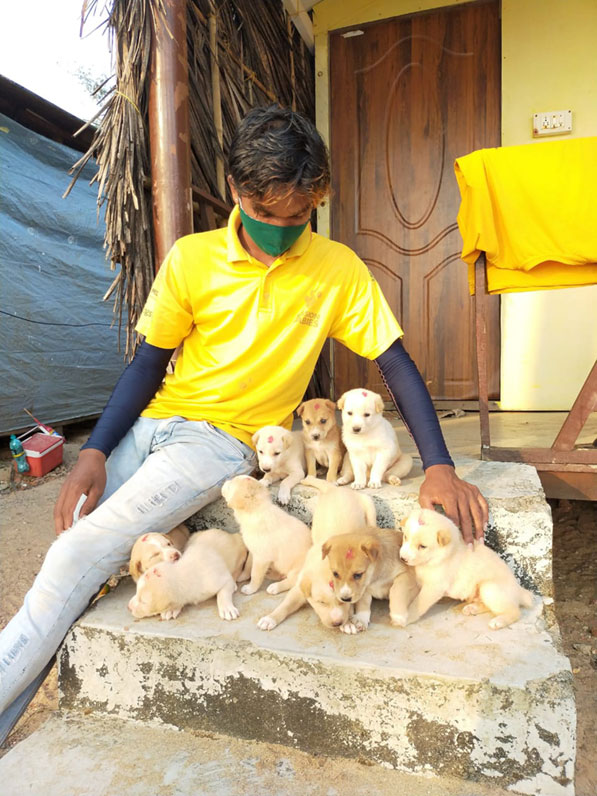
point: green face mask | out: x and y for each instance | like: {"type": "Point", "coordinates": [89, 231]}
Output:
{"type": "Point", "coordinates": [270, 238]}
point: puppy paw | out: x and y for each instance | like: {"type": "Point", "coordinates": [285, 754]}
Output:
{"type": "Point", "coordinates": [248, 589]}
{"type": "Point", "coordinates": [229, 613]}
{"type": "Point", "coordinates": [349, 628]}
{"type": "Point", "coordinates": [343, 480]}
{"type": "Point", "coordinates": [374, 484]}
{"type": "Point", "coordinates": [171, 613]}
{"type": "Point", "coordinates": [393, 480]}
{"type": "Point", "coordinates": [266, 623]}
{"type": "Point", "coordinates": [274, 588]}
{"type": "Point", "coordinates": [361, 622]}
{"type": "Point", "coordinates": [497, 623]}
{"type": "Point", "coordinates": [399, 620]}
{"type": "Point", "coordinates": [358, 485]}
{"type": "Point", "coordinates": [472, 609]}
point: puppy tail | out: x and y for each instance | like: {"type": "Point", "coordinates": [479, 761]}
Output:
{"type": "Point", "coordinates": [318, 483]}
{"type": "Point", "coordinates": [526, 598]}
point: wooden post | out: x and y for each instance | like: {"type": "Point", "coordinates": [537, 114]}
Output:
{"type": "Point", "coordinates": [216, 96]}
{"type": "Point", "coordinates": [169, 134]}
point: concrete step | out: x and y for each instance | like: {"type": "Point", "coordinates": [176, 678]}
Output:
{"type": "Point", "coordinates": [93, 756]}
{"type": "Point", "coordinates": [444, 697]}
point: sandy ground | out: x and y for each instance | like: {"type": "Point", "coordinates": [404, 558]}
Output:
{"type": "Point", "coordinates": [27, 531]}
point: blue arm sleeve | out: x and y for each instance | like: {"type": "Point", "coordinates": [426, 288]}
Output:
{"type": "Point", "coordinates": [413, 402]}
{"type": "Point", "coordinates": [133, 391]}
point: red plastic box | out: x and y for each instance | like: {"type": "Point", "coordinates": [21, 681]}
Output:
{"type": "Point", "coordinates": [43, 452]}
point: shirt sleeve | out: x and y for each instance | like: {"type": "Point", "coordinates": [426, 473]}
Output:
{"type": "Point", "coordinates": [167, 317]}
{"type": "Point", "coordinates": [365, 323]}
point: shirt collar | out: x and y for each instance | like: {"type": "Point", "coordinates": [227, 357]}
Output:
{"type": "Point", "coordinates": [236, 252]}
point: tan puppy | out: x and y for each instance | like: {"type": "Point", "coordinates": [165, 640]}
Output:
{"type": "Point", "coordinates": [368, 566]}
{"type": "Point", "coordinates": [275, 539]}
{"type": "Point", "coordinates": [371, 441]}
{"type": "Point", "coordinates": [212, 562]}
{"type": "Point", "coordinates": [281, 456]}
{"type": "Point", "coordinates": [151, 548]}
{"type": "Point", "coordinates": [314, 586]}
{"type": "Point", "coordinates": [339, 510]}
{"type": "Point", "coordinates": [322, 439]}
{"type": "Point", "coordinates": [447, 567]}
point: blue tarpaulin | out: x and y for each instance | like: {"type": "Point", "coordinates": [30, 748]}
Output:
{"type": "Point", "coordinates": [59, 346]}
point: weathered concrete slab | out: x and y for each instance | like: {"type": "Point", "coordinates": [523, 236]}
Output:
{"type": "Point", "coordinates": [93, 756]}
{"type": "Point", "coordinates": [445, 696]}
{"type": "Point", "coordinates": [520, 525]}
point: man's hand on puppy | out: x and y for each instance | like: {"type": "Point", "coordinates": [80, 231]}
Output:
{"type": "Point", "coordinates": [462, 502]}
{"type": "Point", "coordinates": [88, 477]}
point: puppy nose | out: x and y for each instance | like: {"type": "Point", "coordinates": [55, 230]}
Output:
{"type": "Point", "coordinates": [315, 436]}
{"type": "Point", "coordinates": [265, 469]}
{"type": "Point", "coordinates": [356, 429]}
{"type": "Point", "coordinates": [336, 622]}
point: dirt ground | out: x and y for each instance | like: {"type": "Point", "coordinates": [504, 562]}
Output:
{"type": "Point", "coordinates": [27, 531]}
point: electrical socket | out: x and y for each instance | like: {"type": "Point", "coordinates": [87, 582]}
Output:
{"type": "Point", "coordinates": [552, 123]}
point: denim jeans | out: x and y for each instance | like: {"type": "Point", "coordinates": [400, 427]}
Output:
{"type": "Point", "coordinates": [161, 472]}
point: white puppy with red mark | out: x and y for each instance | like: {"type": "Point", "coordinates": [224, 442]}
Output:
{"type": "Point", "coordinates": [446, 566]}
{"type": "Point", "coordinates": [371, 441]}
{"type": "Point", "coordinates": [151, 548]}
{"type": "Point", "coordinates": [212, 562]}
{"type": "Point", "coordinates": [281, 456]}
{"type": "Point", "coordinates": [276, 540]}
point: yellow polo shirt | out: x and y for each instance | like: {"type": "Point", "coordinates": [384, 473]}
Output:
{"type": "Point", "coordinates": [252, 334]}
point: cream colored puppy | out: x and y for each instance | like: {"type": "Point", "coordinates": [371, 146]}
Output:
{"type": "Point", "coordinates": [447, 567]}
{"type": "Point", "coordinates": [322, 439]}
{"type": "Point", "coordinates": [339, 510]}
{"type": "Point", "coordinates": [368, 566]}
{"type": "Point", "coordinates": [151, 548]}
{"type": "Point", "coordinates": [276, 540]}
{"type": "Point", "coordinates": [281, 456]}
{"type": "Point", "coordinates": [212, 562]}
{"type": "Point", "coordinates": [371, 441]}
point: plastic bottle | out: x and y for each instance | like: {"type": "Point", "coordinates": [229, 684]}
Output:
{"type": "Point", "coordinates": [18, 454]}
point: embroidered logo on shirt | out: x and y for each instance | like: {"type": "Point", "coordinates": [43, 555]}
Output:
{"type": "Point", "coordinates": [308, 318]}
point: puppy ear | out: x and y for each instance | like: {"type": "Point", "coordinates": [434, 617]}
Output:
{"type": "Point", "coordinates": [300, 409]}
{"type": "Point", "coordinates": [371, 549]}
{"type": "Point", "coordinates": [138, 568]}
{"type": "Point", "coordinates": [378, 403]}
{"type": "Point", "coordinates": [403, 522]}
{"type": "Point", "coordinates": [305, 585]}
{"type": "Point", "coordinates": [287, 440]}
{"type": "Point", "coordinates": [444, 537]}
{"type": "Point", "coordinates": [255, 437]}
{"type": "Point", "coordinates": [325, 549]}
{"type": "Point", "coordinates": [330, 404]}
{"type": "Point", "coordinates": [340, 401]}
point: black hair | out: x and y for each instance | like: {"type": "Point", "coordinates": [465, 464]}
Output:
{"type": "Point", "coordinates": [276, 151]}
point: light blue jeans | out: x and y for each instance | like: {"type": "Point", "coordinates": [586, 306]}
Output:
{"type": "Point", "coordinates": [161, 472]}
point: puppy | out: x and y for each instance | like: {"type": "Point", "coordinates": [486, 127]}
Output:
{"type": "Point", "coordinates": [275, 539]}
{"type": "Point", "coordinates": [322, 439]}
{"type": "Point", "coordinates": [281, 456]}
{"type": "Point", "coordinates": [367, 566]}
{"type": "Point", "coordinates": [151, 548]}
{"type": "Point", "coordinates": [314, 586]}
{"type": "Point", "coordinates": [446, 567]}
{"type": "Point", "coordinates": [371, 441]}
{"type": "Point", "coordinates": [339, 510]}
{"type": "Point", "coordinates": [212, 562]}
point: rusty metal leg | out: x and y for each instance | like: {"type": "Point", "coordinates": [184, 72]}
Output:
{"type": "Point", "coordinates": [481, 350]}
{"type": "Point", "coordinates": [169, 134]}
{"type": "Point", "coordinates": [585, 403]}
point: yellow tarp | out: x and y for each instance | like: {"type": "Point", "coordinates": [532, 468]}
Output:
{"type": "Point", "coordinates": [533, 210]}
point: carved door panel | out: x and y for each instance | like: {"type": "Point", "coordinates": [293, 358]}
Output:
{"type": "Point", "coordinates": [408, 96]}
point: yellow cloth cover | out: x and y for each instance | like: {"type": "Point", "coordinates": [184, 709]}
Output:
{"type": "Point", "coordinates": [252, 334]}
{"type": "Point", "coordinates": [532, 210]}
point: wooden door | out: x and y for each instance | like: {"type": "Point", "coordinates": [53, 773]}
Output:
{"type": "Point", "coordinates": [408, 96]}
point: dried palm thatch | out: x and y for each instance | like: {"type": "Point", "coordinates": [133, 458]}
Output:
{"type": "Point", "coordinates": [241, 54]}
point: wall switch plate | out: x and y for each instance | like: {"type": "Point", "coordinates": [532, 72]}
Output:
{"type": "Point", "coordinates": [552, 123]}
